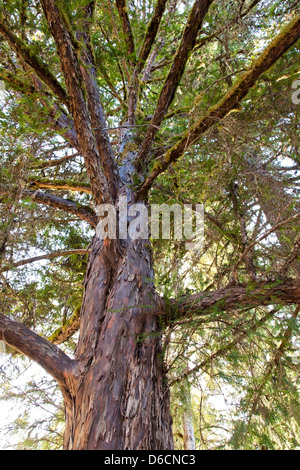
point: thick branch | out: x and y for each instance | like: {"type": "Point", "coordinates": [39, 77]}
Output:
{"type": "Point", "coordinates": [234, 297]}
{"type": "Point", "coordinates": [84, 213]}
{"type": "Point", "coordinates": [151, 33]}
{"type": "Point", "coordinates": [126, 26]}
{"type": "Point", "coordinates": [47, 355]}
{"type": "Point", "coordinates": [35, 63]}
{"type": "Point", "coordinates": [89, 74]}
{"type": "Point", "coordinates": [76, 88]}
{"type": "Point", "coordinates": [167, 94]}
{"type": "Point", "coordinates": [278, 46]}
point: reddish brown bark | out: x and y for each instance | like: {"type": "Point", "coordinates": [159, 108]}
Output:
{"type": "Point", "coordinates": [121, 398]}
{"type": "Point", "coordinates": [239, 296]}
{"type": "Point", "coordinates": [66, 205]}
{"type": "Point", "coordinates": [51, 358]}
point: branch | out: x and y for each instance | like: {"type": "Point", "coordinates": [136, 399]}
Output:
{"type": "Point", "coordinates": [35, 63]}
{"type": "Point", "coordinates": [234, 297]}
{"type": "Point", "coordinates": [275, 202]}
{"type": "Point", "coordinates": [239, 213]}
{"type": "Point", "coordinates": [151, 33]}
{"type": "Point", "coordinates": [229, 26]}
{"type": "Point", "coordinates": [207, 215]}
{"type": "Point", "coordinates": [126, 26]}
{"type": "Point", "coordinates": [225, 349]}
{"type": "Point", "coordinates": [53, 255]}
{"type": "Point", "coordinates": [47, 355]}
{"type": "Point", "coordinates": [70, 65]}
{"type": "Point", "coordinates": [194, 23]}
{"type": "Point", "coordinates": [50, 163]}
{"type": "Point", "coordinates": [65, 126]}
{"type": "Point", "coordinates": [68, 329]}
{"type": "Point", "coordinates": [289, 35]}
{"type": "Point", "coordinates": [84, 213]}
{"type": "Point", "coordinates": [274, 361]}
{"type": "Point", "coordinates": [291, 258]}
{"type": "Point", "coordinates": [60, 185]}
{"type": "Point", "coordinates": [262, 237]}
{"type": "Point", "coordinates": [89, 74]}
{"type": "Point", "coordinates": [60, 122]}
{"type": "Point", "coordinates": [16, 83]}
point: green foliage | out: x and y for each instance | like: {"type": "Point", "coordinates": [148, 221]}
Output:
{"type": "Point", "coordinates": [244, 388]}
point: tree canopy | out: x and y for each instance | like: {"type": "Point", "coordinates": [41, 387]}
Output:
{"type": "Point", "coordinates": [199, 95]}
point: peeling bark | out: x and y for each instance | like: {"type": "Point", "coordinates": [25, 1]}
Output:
{"type": "Point", "coordinates": [84, 213]}
{"type": "Point", "coordinates": [122, 399]}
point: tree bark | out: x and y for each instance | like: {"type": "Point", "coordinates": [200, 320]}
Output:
{"type": "Point", "coordinates": [187, 418]}
{"type": "Point", "coordinates": [50, 357]}
{"type": "Point", "coordinates": [188, 431]}
{"type": "Point", "coordinates": [121, 398]}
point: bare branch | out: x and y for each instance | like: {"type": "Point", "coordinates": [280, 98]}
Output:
{"type": "Point", "coordinates": [47, 355]}
{"type": "Point", "coordinates": [234, 297]}
{"type": "Point", "coordinates": [60, 185]}
{"type": "Point", "coordinates": [84, 213]}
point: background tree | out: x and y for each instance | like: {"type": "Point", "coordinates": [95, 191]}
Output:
{"type": "Point", "coordinates": [161, 102]}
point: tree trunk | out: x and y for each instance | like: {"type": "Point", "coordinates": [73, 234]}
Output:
{"type": "Point", "coordinates": [187, 418]}
{"type": "Point", "coordinates": [120, 399]}
{"type": "Point", "coordinates": [188, 431]}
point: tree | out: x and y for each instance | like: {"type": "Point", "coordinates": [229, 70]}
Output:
{"type": "Point", "coordinates": [153, 102]}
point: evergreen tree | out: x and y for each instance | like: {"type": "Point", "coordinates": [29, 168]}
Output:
{"type": "Point", "coordinates": [160, 102]}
